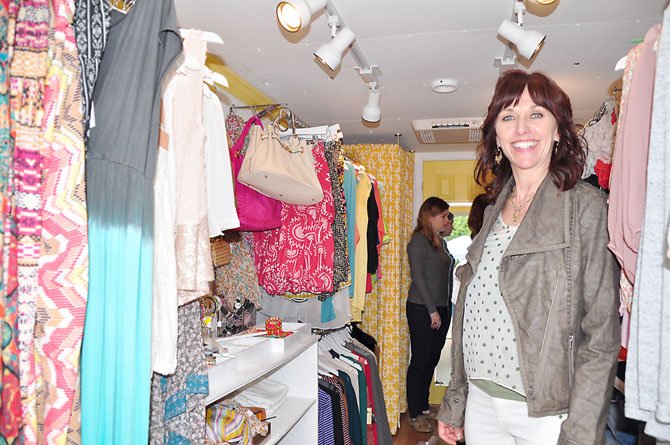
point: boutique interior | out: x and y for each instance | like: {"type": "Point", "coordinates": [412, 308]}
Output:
{"type": "Point", "coordinates": [150, 297]}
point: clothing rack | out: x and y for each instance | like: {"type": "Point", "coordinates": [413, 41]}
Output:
{"type": "Point", "coordinates": [323, 332]}
{"type": "Point", "coordinates": [266, 109]}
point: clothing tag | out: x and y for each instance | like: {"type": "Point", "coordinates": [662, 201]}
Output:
{"type": "Point", "coordinates": [369, 416]}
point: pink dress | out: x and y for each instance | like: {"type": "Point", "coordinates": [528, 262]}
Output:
{"type": "Point", "coordinates": [299, 255]}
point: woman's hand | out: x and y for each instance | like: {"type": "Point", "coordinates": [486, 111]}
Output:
{"type": "Point", "coordinates": [435, 320]}
{"type": "Point", "coordinates": [448, 433]}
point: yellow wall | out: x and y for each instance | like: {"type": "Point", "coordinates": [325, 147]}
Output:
{"type": "Point", "coordinates": [452, 181]}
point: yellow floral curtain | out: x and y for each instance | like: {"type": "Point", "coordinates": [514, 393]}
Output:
{"type": "Point", "coordinates": [384, 314]}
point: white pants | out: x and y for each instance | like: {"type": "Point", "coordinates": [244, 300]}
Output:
{"type": "Point", "coordinates": [489, 420]}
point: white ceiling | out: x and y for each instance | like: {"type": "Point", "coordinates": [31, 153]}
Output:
{"type": "Point", "coordinates": [414, 42]}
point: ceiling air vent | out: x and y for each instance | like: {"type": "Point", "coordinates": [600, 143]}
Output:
{"type": "Point", "coordinates": [462, 130]}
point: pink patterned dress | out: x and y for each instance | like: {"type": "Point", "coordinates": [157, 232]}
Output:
{"type": "Point", "coordinates": [299, 255]}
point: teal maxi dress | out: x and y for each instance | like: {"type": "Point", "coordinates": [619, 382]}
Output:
{"type": "Point", "coordinates": [120, 165]}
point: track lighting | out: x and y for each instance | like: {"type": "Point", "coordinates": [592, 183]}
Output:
{"type": "Point", "coordinates": [330, 54]}
{"type": "Point", "coordinates": [372, 112]}
{"type": "Point", "coordinates": [293, 15]}
{"type": "Point", "coordinates": [527, 42]}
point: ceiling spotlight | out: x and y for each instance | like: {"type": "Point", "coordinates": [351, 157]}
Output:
{"type": "Point", "coordinates": [543, 2]}
{"type": "Point", "coordinates": [330, 54]}
{"type": "Point", "coordinates": [527, 42]}
{"type": "Point", "coordinates": [293, 15]}
{"type": "Point", "coordinates": [372, 112]}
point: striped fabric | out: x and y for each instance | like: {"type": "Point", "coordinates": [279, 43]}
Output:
{"type": "Point", "coordinates": [226, 425]}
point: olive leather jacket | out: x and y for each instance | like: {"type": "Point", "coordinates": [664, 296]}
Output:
{"type": "Point", "coordinates": [560, 284]}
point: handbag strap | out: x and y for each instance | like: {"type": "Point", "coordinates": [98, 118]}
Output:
{"type": "Point", "coordinates": [293, 144]}
{"type": "Point", "coordinates": [239, 143]}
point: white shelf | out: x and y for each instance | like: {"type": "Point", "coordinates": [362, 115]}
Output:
{"type": "Point", "coordinates": [290, 414]}
{"type": "Point", "coordinates": [222, 384]}
{"type": "Point", "coordinates": [296, 421]}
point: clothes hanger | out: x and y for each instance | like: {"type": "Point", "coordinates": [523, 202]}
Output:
{"type": "Point", "coordinates": [621, 63]}
{"type": "Point", "coordinates": [207, 36]}
{"type": "Point", "coordinates": [123, 6]}
{"type": "Point", "coordinates": [213, 78]}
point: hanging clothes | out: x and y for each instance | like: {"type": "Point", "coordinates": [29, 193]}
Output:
{"type": "Point", "coordinates": [91, 25]}
{"type": "Point", "coordinates": [164, 319]}
{"type": "Point", "coordinates": [629, 169]}
{"type": "Point", "coordinates": [648, 365]}
{"type": "Point", "coordinates": [178, 400]}
{"type": "Point", "coordinates": [120, 168]}
{"type": "Point", "coordinates": [27, 72]}
{"type": "Point", "coordinates": [10, 398]}
{"type": "Point", "coordinates": [221, 211]}
{"type": "Point", "coordinates": [363, 190]}
{"type": "Point", "coordinates": [63, 266]}
{"type": "Point", "coordinates": [599, 135]}
{"type": "Point", "coordinates": [194, 256]}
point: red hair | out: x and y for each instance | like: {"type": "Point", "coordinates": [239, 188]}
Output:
{"type": "Point", "coordinates": [568, 157]}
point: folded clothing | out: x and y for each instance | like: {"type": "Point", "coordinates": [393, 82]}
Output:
{"type": "Point", "coordinates": [266, 394]}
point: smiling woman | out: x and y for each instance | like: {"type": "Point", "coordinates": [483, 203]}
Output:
{"type": "Point", "coordinates": [541, 245]}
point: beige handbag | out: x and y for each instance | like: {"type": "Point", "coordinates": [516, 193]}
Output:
{"type": "Point", "coordinates": [283, 170]}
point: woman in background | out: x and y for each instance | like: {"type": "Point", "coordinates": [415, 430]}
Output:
{"type": "Point", "coordinates": [428, 304]}
{"type": "Point", "coordinates": [536, 329]}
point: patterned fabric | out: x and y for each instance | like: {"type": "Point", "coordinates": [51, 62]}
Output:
{"type": "Point", "coordinates": [234, 126]}
{"type": "Point", "coordinates": [384, 308]}
{"type": "Point", "coordinates": [326, 433]}
{"type": "Point", "coordinates": [10, 401]}
{"type": "Point", "coordinates": [339, 388]}
{"type": "Point", "coordinates": [91, 24]}
{"type": "Point", "coordinates": [227, 425]}
{"type": "Point", "coordinates": [27, 72]}
{"type": "Point", "coordinates": [178, 400]}
{"type": "Point", "coordinates": [599, 136]}
{"type": "Point", "coordinates": [237, 281]}
{"type": "Point", "coordinates": [489, 338]}
{"type": "Point", "coordinates": [63, 269]}
{"type": "Point", "coordinates": [341, 273]}
{"type": "Point", "coordinates": [299, 255]}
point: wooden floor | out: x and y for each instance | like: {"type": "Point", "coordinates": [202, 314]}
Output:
{"type": "Point", "coordinates": [407, 435]}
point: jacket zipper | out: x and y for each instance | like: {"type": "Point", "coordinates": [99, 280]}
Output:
{"type": "Point", "coordinates": [544, 336]}
{"type": "Point", "coordinates": [571, 359]}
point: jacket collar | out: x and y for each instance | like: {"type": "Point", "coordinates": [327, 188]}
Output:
{"type": "Point", "coordinates": [545, 226]}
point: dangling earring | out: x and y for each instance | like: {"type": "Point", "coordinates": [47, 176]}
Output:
{"type": "Point", "coordinates": [555, 147]}
{"type": "Point", "coordinates": [498, 158]}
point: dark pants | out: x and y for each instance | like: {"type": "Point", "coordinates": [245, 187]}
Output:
{"type": "Point", "coordinates": [426, 344]}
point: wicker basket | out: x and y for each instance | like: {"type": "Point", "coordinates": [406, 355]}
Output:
{"type": "Point", "coordinates": [221, 254]}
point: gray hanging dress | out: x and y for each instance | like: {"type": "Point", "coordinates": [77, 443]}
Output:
{"type": "Point", "coordinates": [120, 165]}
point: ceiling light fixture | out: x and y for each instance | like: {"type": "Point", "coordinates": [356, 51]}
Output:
{"type": "Point", "coordinates": [372, 112]}
{"type": "Point", "coordinates": [444, 85]}
{"type": "Point", "coordinates": [527, 42]}
{"type": "Point", "coordinates": [330, 54]}
{"type": "Point", "coordinates": [294, 15]}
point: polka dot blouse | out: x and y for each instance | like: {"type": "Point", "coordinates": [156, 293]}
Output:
{"type": "Point", "coordinates": [489, 340]}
